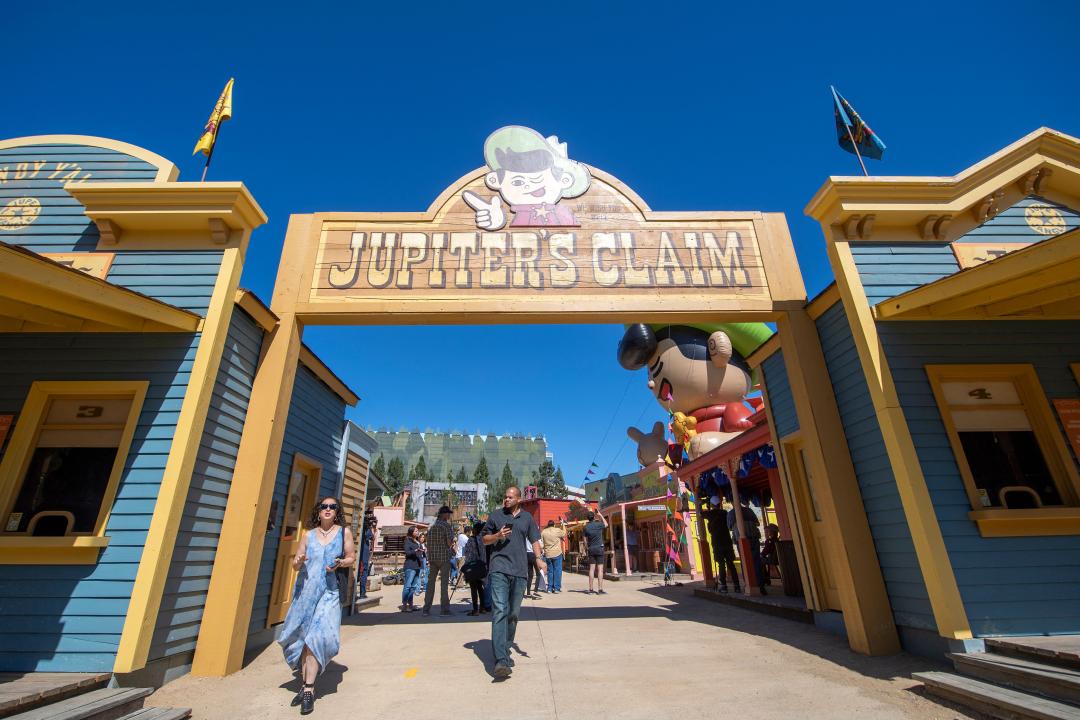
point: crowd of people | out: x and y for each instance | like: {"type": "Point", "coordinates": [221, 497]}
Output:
{"type": "Point", "coordinates": [723, 528]}
{"type": "Point", "coordinates": [502, 560]}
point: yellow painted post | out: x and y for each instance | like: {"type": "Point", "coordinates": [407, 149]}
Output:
{"type": "Point", "coordinates": [949, 613]}
{"type": "Point", "coordinates": [224, 630]}
{"type": "Point", "coordinates": [853, 560]}
{"type": "Point", "coordinates": [157, 553]}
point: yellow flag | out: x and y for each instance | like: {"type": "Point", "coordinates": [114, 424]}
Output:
{"type": "Point", "coordinates": [222, 112]}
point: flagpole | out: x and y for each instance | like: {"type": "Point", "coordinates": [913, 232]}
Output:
{"type": "Point", "coordinates": [217, 131]}
{"type": "Point", "coordinates": [847, 127]}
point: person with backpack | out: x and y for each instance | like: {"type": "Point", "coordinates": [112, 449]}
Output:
{"type": "Point", "coordinates": [474, 568]}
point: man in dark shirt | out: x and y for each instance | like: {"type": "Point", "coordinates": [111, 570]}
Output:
{"type": "Point", "coordinates": [722, 548]}
{"type": "Point", "coordinates": [594, 545]}
{"type": "Point", "coordinates": [506, 532]}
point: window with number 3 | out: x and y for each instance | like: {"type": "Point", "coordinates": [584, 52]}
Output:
{"type": "Point", "coordinates": [1003, 435]}
{"type": "Point", "coordinates": [68, 470]}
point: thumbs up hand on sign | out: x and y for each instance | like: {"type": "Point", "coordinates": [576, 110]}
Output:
{"type": "Point", "coordinates": [489, 215]}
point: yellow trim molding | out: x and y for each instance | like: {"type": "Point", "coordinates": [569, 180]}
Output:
{"type": "Point", "coordinates": [824, 300]}
{"type": "Point", "coordinates": [267, 320]}
{"type": "Point", "coordinates": [1027, 522]}
{"type": "Point", "coordinates": [324, 373]}
{"type": "Point", "coordinates": [172, 495]}
{"type": "Point", "coordinates": [169, 216]}
{"type": "Point", "coordinates": [167, 172]}
{"type": "Point", "coordinates": [71, 549]}
{"type": "Point", "coordinates": [41, 295]}
{"type": "Point", "coordinates": [1036, 282]}
{"type": "Point", "coordinates": [763, 351]}
{"type": "Point", "coordinates": [921, 209]}
{"type": "Point", "coordinates": [941, 586]}
{"type": "Point", "coordinates": [250, 303]}
{"type": "Point", "coordinates": [223, 632]}
{"type": "Point", "coordinates": [850, 553]}
{"type": "Point", "coordinates": [1039, 414]}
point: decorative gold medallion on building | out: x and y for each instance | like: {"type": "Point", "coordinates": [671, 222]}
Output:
{"type": "Point", "coordinates": [19, 213]}
{"type": "Point", "coordinates": [1044, 219]}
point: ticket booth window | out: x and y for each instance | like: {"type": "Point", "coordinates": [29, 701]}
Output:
{"type": "Point", "coordinates": [64, 466]}
{"type": "Point", "coordinates": [1002, 434]}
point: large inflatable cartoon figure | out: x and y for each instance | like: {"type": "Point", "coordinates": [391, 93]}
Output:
{"type": "Point", "coordinates": [698, 374]}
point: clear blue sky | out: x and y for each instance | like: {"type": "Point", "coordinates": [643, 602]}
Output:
{"type": "Point", "coordinates": [357, 106]}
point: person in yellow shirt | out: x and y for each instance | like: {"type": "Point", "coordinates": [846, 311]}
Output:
{"type": "Point", "coordinates": [552, 539]}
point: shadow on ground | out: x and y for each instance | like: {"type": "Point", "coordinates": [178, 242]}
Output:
{"type": "Point", "coordinates": [681, 606]}
{"type": "Point", "coordinates": [328, 682]}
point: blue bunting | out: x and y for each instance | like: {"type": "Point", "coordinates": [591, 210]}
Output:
{"type": "Point", "coordinates": [767, 456]}
{"type": "Point", "coordinates": [745, 463]}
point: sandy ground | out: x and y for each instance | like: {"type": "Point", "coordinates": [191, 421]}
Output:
{"type": "Point", "coordinates": [641, 651]}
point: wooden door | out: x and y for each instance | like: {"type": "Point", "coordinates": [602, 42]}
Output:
{"type": "Point", "coordinates": [303, 484]}
{"type": "Point", "coordinates": [817, 540]}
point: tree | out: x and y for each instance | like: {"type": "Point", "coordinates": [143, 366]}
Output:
{"type": "Point", "coordinates": [482, 474]}
{"type": "Point", "coordinates": [506, 480]}
{"type": "Point", "coordinates": [379, 468]}
{"type": "Point", "coordinates": [548, 484]}
{"type": "Point", "coordinates": [449, 477]}
{"type": "Point", "coordinates": [395, 476]}
{"type": "Point", "coordinates": [461, 478]}
{"type": "Point", "coordinates": [419, 471]}
{"type": "Point", "coordinates": [558, 485]}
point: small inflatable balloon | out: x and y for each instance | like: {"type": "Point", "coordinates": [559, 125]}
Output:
{"type": "Point", "coordinates": [650, 445]}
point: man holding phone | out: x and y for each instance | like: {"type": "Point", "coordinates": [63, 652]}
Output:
{"type": "Point", "coordinates": [506, 533]}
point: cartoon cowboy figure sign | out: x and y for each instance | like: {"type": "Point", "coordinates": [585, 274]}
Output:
{"type": "Point", "coordinates": [531, 174]}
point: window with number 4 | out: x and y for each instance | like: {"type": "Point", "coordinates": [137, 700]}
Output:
{"type": "Point", "coordinates": [1003, 435]}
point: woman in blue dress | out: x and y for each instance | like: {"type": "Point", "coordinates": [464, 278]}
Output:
{"type": "Point", "coordinates": [311, 634]}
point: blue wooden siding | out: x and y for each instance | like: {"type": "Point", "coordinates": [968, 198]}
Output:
{"type": "Point", "coordinates": [183, 279]}
{"type": "Point", "coordinates": [778, 390]}
{"type": "Point", "coordinates": [886, 270]}
{"type": "Point", "coordinates": [184, 597]}
{"type": "Point", "coordinates": [1009, 586]}
{"type": "Point", "coordinates": [1011, 225]}
{"type": "Point", "coordinates": [877, 485]}
{"type": "Point", "coordinates": [314, 428]}
{"type": "Point", "coordinates": [69, 617]}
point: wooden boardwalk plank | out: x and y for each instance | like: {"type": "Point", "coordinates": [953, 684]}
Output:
{"type": "Point", "coordinates": [21, 691]}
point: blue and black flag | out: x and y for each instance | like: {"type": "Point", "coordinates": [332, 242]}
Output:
{"type": "Point", "coordinates": [849, 127]}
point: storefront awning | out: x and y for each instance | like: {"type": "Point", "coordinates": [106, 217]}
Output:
{"type": "Point", "coordinates": [40, 295]}
{"type": "Point", "coordinates": [1041, 281]}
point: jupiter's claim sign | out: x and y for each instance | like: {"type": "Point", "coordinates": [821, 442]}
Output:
{"type": "Point", "coordinates": [565, 259]}
{"type": "Point", "coordinates": [535, 223]}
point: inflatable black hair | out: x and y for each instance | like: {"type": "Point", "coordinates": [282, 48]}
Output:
{"type": "Point", "coordinates": [637, 345]}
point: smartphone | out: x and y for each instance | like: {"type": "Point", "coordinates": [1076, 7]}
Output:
{"type": "Point", "coordinates": [508, 526]}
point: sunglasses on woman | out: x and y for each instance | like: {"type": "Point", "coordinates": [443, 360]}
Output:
{"type": "Point", "coordinates": [328, 506]}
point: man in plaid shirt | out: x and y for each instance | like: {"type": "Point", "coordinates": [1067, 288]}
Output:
{"type": "Point", "coordinates": [440, 543]}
